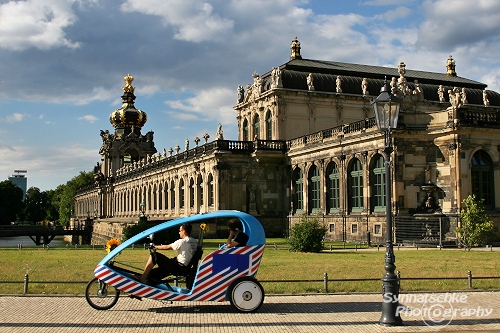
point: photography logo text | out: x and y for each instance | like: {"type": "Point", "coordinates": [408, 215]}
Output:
{"type": "Point", "coordinates": [436, 309]}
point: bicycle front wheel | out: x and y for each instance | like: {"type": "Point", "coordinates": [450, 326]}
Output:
{"type": "Point", "coordinates": [101, 296]}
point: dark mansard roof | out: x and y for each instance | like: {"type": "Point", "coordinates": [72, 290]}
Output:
{"type": "Point", "coordinates": [295, 72]}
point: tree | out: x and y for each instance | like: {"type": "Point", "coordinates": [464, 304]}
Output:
{"type": "Point", "coordinates": [35, 207]}
{"type": "Point", "coordinates": [52, 209]}
{"type": "Point", "coordinates": [67, 192]}
{"type": "Point", "coordinates": [307, 236]}
{"type": "Point", "coordinates": [11, 202]}
{"type": "Point", "coordinates": [476, 225]}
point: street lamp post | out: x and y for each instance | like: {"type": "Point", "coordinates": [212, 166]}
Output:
{"type": "Point", "coordinates": [386, 107]}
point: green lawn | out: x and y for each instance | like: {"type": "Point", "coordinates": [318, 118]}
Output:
{"type": "Point", "coordinates": [76, 265]}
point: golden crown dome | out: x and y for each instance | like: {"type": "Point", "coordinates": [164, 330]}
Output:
{"type": "Point", "coordinates": [128, 116]}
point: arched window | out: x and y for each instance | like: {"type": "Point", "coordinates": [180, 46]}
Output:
{"type": "Point", "coordinates": [245, 130]}
{"type": "Point", "coordinates": [191, 192]}
{"type": "Point", "coordinates": [160, 196]}
{"type": "Point", "coordinates": [355, 175]}
{"type": "Point", "coordinates": [165, 191]}
{"type": "Point", "coordinates": [377, 174]}
{"type": "Point", "coordinates": [181, 193]}
{"type": "Point", "coordinates": [333, 188]}
{"type": "Point", "coordinates": [200, 190]}
{"type": "Point", "coordinates": [314, 190]}
{"type": "Point", "coordinates": [154, 198]}
{"type": "Point", "coordinates": [256, 126]}
{"type": "Point", "coordinates": [298, 189]}
{"type": "Point", "coordinates": [172, 195]}
{"type": "Point", "coordinates": [269, 126]}
{"type": "Point", "coordinates": [210, 183]}
{"type": "Point", "coordinates": [482, 178]}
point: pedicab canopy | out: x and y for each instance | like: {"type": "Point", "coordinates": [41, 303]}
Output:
{"type": "Point", "coordinates": [251, 227]}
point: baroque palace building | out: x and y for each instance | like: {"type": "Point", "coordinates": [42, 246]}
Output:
{"type": "Point", "coordinates": [308, 146]}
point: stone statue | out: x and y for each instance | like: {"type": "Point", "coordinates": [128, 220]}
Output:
{"type": "Point", "coordinates": [458, 97]}
{"type": "Point", "coordinates": [464, 97]}
{"type": "Point", "coordinates": [310, 82]}
{"type": "Point", "coordinates": [441, 93]}
{"type": "Point", "coordinates": [219, 135]}
{"type": "Point", "coordinates": [339, 84]}
{"type": "Point", "coordinates": [394, 86]}
{"type": "Point", "coordinates": [402, 83]}
{"type": "Point", "coordinates": [486, 101]}
{"type": "Point", "coordinates": [257, 82]}
{"type": "Point", "coordinates": [241, 94]}
{"type": "Point", "coordinates": [364, 87]}
{"type": "Point", "coordinates": [276, 78]}
{"type": "Point", "coordinates": [418, 92]}
{"type": "Point", "coordinates": [401, 68]}
{"type": "Point", "coordinates": [187, 144]}
{"type": "Point", "coordinates": [452, 97]}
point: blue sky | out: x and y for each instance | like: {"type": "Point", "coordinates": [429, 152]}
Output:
{"type": "Point", "coordinates": [62, 63]}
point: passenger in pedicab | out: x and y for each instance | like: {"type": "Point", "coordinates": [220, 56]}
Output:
{"type": "Point", "coordinates": [236, 235]}
{"type": "Point", "coordinates": [185, 247]}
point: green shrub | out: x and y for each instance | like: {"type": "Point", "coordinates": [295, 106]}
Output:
{"type": "Point", "coordinates": [307, 236]}
{"type": "Point", "coordinates": [476, 225]}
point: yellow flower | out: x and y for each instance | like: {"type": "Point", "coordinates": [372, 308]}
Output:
{"type": "Point", "coordinates": [112, 244]}
{"type": "Point", "coordinates": [204, 227]}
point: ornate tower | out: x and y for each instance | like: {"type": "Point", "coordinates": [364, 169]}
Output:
{"type": "Point", "coordinates": [126, 145]}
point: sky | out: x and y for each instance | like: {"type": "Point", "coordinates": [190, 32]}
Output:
{"type": "Point", "coordinates": [62, 63]}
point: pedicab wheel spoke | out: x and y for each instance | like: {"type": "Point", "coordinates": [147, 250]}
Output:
{"type": "Point", "coordinates": [246, 295]}
{"type": "Point", "coordinates": [101, 296]}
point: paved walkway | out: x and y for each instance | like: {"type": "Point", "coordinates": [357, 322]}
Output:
{"type": "Point", "coordinates": [472, 311]}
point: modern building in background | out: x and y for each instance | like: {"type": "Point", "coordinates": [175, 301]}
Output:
{"type": "Point", "coordinates": [19, 179]}
{"type": "Point", "coordinates": [308, 147]}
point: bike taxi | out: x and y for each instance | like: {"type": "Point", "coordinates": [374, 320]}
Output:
{"type": "Point", "coordinates": [222, 275]}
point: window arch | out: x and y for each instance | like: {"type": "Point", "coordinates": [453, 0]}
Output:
{"type": "Point", "coordinates": [160, 196]}
{"type": "Point", "coordinates": [314, 190]}
{"type": "Point", "coordinates": [210, 183]}
{"type": "Point", "coordinates": [181, 194]}
{"type": "Point", "coordinates": [191, 192]}
{"type": "Point", "coordinates": [355, 176]}
{"type": "Point", "coordinates": [377, 181]}
{"type": "Point", "coordinates": [199, 183]}
{"type": "Point", "coordinates": [482, 178]}
{"type": "Point", "coordinates": [246, 130]}
{"type": "Point", "coordinates": [172, 195]}
{"type": "Point", "coordinates": [154, 198]}
{"type": "Point", "coordinates": [333, 188]}
{"type": "Point", "coordinates": [256, 126]}
{"type": "Point", "coordinates": [298, 190]}
{"type": "Point", "coordinates": [269, 126]}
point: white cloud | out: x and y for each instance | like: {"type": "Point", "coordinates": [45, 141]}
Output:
{"type": "Point", "coordinates": [449, 24]}
{"type": "Point", "coordinates": [15, 117]}
{"type": "Point", "coordinates": [212, 104]}
{"type": "Point", "coordinates": [36, 23]}
{"type": "Point", "coordinates": [395, 14]}
{"type": "Point", "coordinates": [386, 2]}
{"type": "Point", "coordinates": [194, 21]}
{"type": "Point", "coordinates": [90, 118]}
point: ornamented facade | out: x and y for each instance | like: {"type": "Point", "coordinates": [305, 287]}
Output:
{"type": "Point", "coordinates": [308, 145]}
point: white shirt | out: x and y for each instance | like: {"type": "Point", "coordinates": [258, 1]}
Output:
{"type": "Point", "coordinates": [185, 248]}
